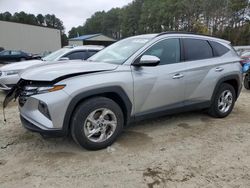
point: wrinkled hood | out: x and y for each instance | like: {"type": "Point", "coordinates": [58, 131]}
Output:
{"type": "Point", "coordinates": [21, 65]}
{"type": "Point", "coordinates": [50, 72]}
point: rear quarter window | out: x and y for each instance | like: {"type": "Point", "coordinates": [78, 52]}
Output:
{"type": "Point", "coordinates": [219, 49]}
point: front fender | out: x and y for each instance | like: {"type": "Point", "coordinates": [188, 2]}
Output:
{"type": "Point", "coordinates": [126, 107]}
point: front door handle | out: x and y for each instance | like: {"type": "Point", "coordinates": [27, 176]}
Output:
{"type": "Point", "coordinates": [178, 76]}
{"type": "Point", "coordinates": [219, 69]}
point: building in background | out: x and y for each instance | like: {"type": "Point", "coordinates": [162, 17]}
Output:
{"type": "Point", "coordinates": [29, 38]}
{"type": "Point", "coordinates": [95, 39]}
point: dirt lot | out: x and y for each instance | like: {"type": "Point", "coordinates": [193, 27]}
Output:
{"type": "Point", "coordinates": [185, 150]}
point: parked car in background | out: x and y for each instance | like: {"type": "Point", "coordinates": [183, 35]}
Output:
{"type": "Point", "coordinates": [9, 73]}
{"type": "Point", "coordinates": [133, 79]}
{"type": "Point", "coordinates": [41, 55]}
{"type": "Point", "coordinates": [7, 56]}
{"type": "Point", "coordinates": [246, 70]}
{"type": "Point", "coordinates": [245, 58]}
{"type": "Point", "coordinates": [1, 49]}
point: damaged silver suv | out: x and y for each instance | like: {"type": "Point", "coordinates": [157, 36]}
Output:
{"type": "Point", "coordinates": [136, 78]}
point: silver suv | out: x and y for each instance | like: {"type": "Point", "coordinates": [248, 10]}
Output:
{"type": "Point", "coordinates": [136, 78]}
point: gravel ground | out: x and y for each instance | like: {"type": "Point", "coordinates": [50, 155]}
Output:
{"type": "Point", "coordinates": [184, 150]}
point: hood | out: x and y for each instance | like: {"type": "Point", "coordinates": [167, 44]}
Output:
{"type": "Point", "coordinates": [64, 69]}
{"type": "Point", "coordinates": [21, 65]}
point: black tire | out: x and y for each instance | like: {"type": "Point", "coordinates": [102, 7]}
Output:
{"type": "Point", "coordinates": [214, 110]}
{"type": "Point", "coordinates": [80, 115]}
{"type": "Point", "coordinates": [246, 82]}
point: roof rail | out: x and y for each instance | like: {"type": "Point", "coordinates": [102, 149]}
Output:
{"type": "Point", "coordinates": [181, 32]}
{"type": "Point", "coordinates": [190, 33]}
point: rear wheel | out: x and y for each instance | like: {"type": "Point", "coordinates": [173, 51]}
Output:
{"type": "Point", "coordinates": [97, 123]}
{"type": "Point", "coordinates": [223, 102]}
{"type": "Point", "coordinates": [247, 82]}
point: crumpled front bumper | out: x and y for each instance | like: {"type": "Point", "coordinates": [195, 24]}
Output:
{"type": "Point", "coordinates": [29, 125]}
{"type": "Point", "coordinates": [7, 82]}
{"type": "Point", "coordinates": [32, 115]}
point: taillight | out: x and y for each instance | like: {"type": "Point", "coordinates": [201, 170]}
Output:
{"type": "Point", "coordinates": [242, 62]}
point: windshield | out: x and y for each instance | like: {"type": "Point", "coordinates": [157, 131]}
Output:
{"type": "Point", "coordinates": [54, 55]}
{"type": "Point", "coordinates": [119, 52]}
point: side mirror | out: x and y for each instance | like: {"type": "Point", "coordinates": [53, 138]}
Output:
{"type": "Point", "coordinates": [147, 60]}
{"type": "Point", "coordinates": [64, 59]}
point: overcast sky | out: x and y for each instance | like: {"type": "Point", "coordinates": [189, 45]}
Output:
{"type": "Point", "coordinates": [71, 12]}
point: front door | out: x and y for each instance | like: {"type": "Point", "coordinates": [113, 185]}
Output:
{"type": "Point", "coordinates": [161, 87]}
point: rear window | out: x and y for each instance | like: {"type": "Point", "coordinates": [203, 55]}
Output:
{"type": "Point", "coordinates": [196, 49]}
{"type": "Point", "coordinates": [219, 49]}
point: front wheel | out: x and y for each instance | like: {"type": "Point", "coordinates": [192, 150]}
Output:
{"type": "Point", "coordinates": [223, 102]}
{"type": "Point", "coordinates": [247, 82]}
{"type": "Point", "coordinates": [97, 123]}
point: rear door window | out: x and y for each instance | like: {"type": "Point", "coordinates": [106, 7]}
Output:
{"type": "Point", "coordinates": [197, 49]}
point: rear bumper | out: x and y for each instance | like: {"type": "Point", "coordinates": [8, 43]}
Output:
{"type": "Point", "coordinates": [31, 126]}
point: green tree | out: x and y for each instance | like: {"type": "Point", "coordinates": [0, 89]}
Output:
{"type": "Point", "coordinates": [130, 18]}
{"type": "Point", "coordinates": [6, 16]}
{"type": "Point", "coordinates": [40, 19]}
{"type": "Point", "coordinates": [64, 40]}
{"type": "Point", "coordinates": [76, 31]}
{"type": "Point", "coordinates": [228, 19]}
{"type": "Point", "coordinates": [52, 21]}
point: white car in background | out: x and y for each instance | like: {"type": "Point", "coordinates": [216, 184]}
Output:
{"type": "Point", "coordinates": [9, 73]}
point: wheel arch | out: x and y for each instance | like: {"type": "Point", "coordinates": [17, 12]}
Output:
{"type": "Point", "coordinates": [115, 93]}
{"type": "Point", "coordinates": [233, 80]}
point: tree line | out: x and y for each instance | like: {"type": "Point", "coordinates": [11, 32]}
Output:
{"type": "Point", "coordinates": [228, 19]}
{"type": "Point", "coordinates": [48, 20]}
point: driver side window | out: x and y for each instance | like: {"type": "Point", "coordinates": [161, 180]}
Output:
{"type": "Point", "coordinates": [168, 51]}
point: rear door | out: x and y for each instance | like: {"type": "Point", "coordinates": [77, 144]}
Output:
{"type": "Point", "coordinates": [199, 70]}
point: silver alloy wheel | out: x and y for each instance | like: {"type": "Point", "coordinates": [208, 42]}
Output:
{"type": "Point", "coordinates": [100, 125]}
{"type": "Point", "coordinates": [225, 101]}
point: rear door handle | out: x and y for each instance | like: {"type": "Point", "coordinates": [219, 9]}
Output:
{"type": "Point", "coordinates": [178, 76]}
{"type": "Point", "coordinates": [219, 69]}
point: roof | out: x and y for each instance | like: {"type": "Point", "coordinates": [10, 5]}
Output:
{"type": "Point", "coordinates": [91, 37]}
